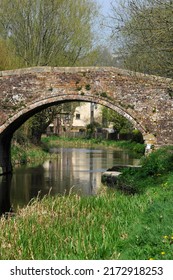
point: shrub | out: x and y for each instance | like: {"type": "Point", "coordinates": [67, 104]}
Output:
{"type": "Point", "coordinates": [158, 162]}
{"type": "Point", "coordinates": [87, 87]}
{"type": "Point", "coordinates": [91, 128]}
{"type": "Point", "coordinates": [154, 168]}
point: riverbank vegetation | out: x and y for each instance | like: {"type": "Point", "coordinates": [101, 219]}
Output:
{"type": "Point", "coordinates": [111, 225]}
{"type": "Point", "coordinates": [129, 145]}
{"type": "Point", "coordinates": [28, 152]}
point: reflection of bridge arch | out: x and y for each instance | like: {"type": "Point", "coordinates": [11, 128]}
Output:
{"type": "Point", "coordinates": [144, 100]}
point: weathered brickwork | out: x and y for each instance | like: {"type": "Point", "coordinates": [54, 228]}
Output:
{"type": "Point", "coordinates": [147, 101]}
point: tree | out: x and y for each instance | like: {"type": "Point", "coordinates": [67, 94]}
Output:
{"type": "Point", "coordinates": [44, 32]}
{"type": "Point", "coordinates": [105, 57]}
{"type": "Point", "coordinates": [120, 123]}
{"type": "Point", "coordinates": [49, 32]}
{"type": "Point", "coordinates": [146, 30]}
{"type": "Point", "coordinates": [8, 59]}
{"type": "Point", "coordinates": [41, 121]}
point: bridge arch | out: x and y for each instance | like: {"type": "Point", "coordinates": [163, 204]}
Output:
{"type": "Point", "coordinates": [18, 119]}
{"type": "Point", "coordinates": [146, 101]}
{"type": "Point", "coordinates": [13, 123]}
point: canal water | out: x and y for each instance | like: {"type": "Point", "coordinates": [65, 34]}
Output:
{"type": "Point", "coordinates": [72, 170]}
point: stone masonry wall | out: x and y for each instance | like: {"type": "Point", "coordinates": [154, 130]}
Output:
{"type": "Point", "coordinates": [147, 101]}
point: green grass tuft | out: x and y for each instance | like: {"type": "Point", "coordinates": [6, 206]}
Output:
{"type": "Point", "coordinates": [111, 225]}
{"type": "Point", "coordinates": [108, 226]}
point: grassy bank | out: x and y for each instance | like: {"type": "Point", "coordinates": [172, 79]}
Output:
{"type": "Point", "coordinates": [111, 225]}
{"type": "Point", "coordinates": [29, 154]}
{"type": "Point", "coordinates": [75, 142]}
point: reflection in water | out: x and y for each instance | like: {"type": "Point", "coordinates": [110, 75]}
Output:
{"type": "Point", "coordinates": [5, 185]}
{"type": "Point", "coordinates": [74, 168]}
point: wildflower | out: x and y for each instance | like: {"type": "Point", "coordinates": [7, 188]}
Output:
{"type": "Point", "coordinates": [165, 237]}
{"type": "Point", "coordinates": [162, 253]}
{"type": "Point", "coordinates": [151, 259]}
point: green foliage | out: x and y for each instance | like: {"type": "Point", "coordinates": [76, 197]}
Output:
{"type": "Point", "coordinates": [105, 58]}
{"type": "Point", "coordinates": [110, 225]}
{"type": "Point", "coordinates": [29, 154]}
{"type": "Point", "coordinates": [40, 121]}
{"type": "Point", "coordinates": [55, 33]}
{"type": "Point", "coordinates": [152, 238]}
{"type": "Point", "coordinates": [18, 155]}
{"type": "Point", "coordinates": [154, 168]}
{"type": "Point", "coordinates": [88, 87]}
{"type": "Point", "coordinates": [8, 58]}
{"type": "Point", "coordinates": [159, 162]}
{"type": "Point", "coordinates": [120, 123]}
{"type": "Point", "coordinates": [138, 148]}
{"type": "Point", "coordinates": [103, 94]}
{"type": "Point", "coordinates": [32, 130]}
{"type": "Point", "coordinates": [43, 32]}
{"type": "Point", "coordinates": [20, 137]}
{"type": "Point", "coordinates": [133, 147]}
{"type": "Point", "coordinates": [91, 128]}
{"type": "Point", "coordinates": [145, 32]}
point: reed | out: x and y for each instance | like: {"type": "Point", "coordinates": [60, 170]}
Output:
{"type": "Point", "coordinates": [111, 225]}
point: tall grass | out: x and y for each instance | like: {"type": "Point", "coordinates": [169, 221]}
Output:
{"type": "Point", "coordinates": [111, 225]}
{"type": "Point", "coordinates": [108, 226]}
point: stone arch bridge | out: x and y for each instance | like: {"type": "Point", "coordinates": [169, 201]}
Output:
{"type": "Point", "coordinates": [146, 101]}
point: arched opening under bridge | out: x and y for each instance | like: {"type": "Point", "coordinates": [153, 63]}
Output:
{"type": "Point", "coordinates": [145, 100]}
{"type": "Point", "coordinates": [21, 117]}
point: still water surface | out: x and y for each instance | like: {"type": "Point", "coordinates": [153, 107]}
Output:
{"type": "Point", "coordinates": [77, 169]}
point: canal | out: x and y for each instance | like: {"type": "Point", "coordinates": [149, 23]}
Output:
{"type": "Point", "coordinates": [75, 170]}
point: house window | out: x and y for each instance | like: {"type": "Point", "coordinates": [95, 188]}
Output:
{"type": "Point", "coordinates": [77, 116]}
